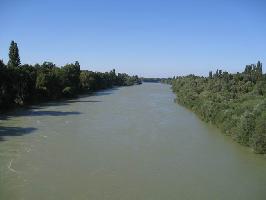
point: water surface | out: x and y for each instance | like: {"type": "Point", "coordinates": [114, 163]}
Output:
{"type": "Point", "coordinates": [130, 143]}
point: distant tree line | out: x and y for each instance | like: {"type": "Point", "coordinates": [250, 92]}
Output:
{"type": "Point", "coordinates": [151, 80]}
{"type": "Point", "coordinates": [236, 103]}
{"type": "Point", "coordinates": [167, 80]}
{"type": "Point", "coordinates": [157, 80]}
{"type": "Point", "coordinates": [25, 84]}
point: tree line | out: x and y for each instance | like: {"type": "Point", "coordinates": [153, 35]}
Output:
{"type": "Point", "coordinates": [151, 80]}
{"type": "Point", "coordinates": [22, 84]}
{"type": "Point", "coordinates": [157, 80]}
{"type": "Point", "coordinates": [235, 103]}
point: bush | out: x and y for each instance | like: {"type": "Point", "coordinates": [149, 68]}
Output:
{"type": "Point", "coordinates": [68, 92]}
{"type": "Point", "coordinates": [258, 141]}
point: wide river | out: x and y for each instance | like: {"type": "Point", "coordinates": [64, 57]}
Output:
{"type": "Point", "coordinates": [129, 143]}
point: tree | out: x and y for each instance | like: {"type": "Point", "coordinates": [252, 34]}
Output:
{"type": "Point", "coordinates": [14, 59]}
{"type": "Point", "coordinates": [25, 84]}
{"type": "Point", "coordinates": [71, 76]}
{"type": "Point", "coordinates": [2, 64]}
{"type": "Point", "coordinates": [259, 67]}
{"type": "Point", "coordinates": [7, 86]}
{"type": "Point", "coordinates": [49, 81]}
{"type": "Point", "coordinates": [84, 79]}
{"type": "Point", "coordinates": [210, 74]}
{"type": "Point", "coordinates": [246, 128]}
{"type": "Point", "coordinates": [259, 137]}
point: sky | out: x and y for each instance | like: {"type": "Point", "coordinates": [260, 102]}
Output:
{"type": "Point", "coordinates": [149, 38]}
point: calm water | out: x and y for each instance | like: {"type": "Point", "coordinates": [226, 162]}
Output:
{"type": "Point", "coordinates": [130, 143]}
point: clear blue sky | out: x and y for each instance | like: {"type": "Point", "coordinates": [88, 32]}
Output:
{"type": "Point", "coordinates": [146, 37]}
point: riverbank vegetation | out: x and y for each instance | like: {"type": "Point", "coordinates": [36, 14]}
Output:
{"type": "Point", "coordinates": [236, 103]}
{"type": "Point", "coordinates": [22, 84]}
{"type": "Point", "coordinates": [158, 80]}
{"type": "Point", "coordinates": [151, 80]}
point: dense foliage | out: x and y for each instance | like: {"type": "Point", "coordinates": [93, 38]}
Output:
{"type": "Point", "coordinates": [236, 103]}
{"type": "Point", "coordinates": [24, 84]}
{"type": "Point", "coordinates": [151, 80]}
{"type": "Point", "coordinates": [167, 80]}
{"type": "Point", "coordinates": [158, 80]}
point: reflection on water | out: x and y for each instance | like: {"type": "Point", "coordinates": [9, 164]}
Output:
{"type": "Point", "coordinates": [127, 143]}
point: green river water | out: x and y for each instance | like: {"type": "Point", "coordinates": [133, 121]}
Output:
{"type": "Point", "coordinates": [129, 143]}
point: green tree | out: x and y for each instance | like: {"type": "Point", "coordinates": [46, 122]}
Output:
{"type": "Point", "coordinates": [14, 59]}
{"type": "Point", "coordinates": [25, 84]}
{"type": "Point", "coordinates": [246, 128]}
{"type": "Point", "coordinates": [49, 81]}
{"type": "Point", "coordinates": [259, 137]}
{"type": "Point", "coordinates": [2, 64]}
{"type": "Point", "coordinates": [7, 86]}
{"type": "Point", "coordinates": [71, 76]}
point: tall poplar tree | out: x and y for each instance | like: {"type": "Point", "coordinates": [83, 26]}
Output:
{"type": "Point", "coordinates": [14, 59]}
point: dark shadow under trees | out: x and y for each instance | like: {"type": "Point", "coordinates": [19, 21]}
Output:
{"type": "Point", "coordinates": [14, 131]}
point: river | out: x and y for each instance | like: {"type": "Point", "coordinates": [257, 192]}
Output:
{"type": "Point", "coordinates": [128, 143]}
